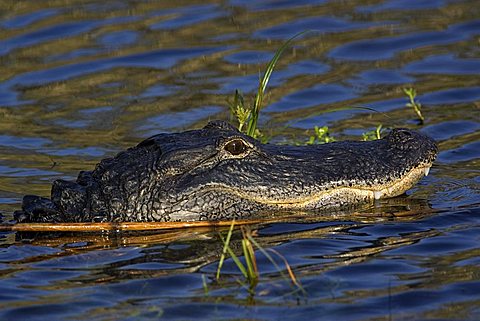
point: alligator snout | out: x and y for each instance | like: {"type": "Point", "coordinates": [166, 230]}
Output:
{"type": "Point", "coordinates": [406, 139]}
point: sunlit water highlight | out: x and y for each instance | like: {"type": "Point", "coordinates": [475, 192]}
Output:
{"type": "Point", "coordinates": [81, 81]}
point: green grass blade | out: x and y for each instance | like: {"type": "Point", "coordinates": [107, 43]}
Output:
{"type": "Point", "coordinates": [264, 252]}
{"type": "Point", "coordinates": [204, 284]}
{"type": "Point", "coordinates": [331, 110]}
{"type": "Point", "coordinates": [292, 276]}
{"type": "Point", "coordinates": [262, 86]}
{"type": "Point", "coordinates": [412, 95]}
{"type": "Point", "coordinates": [227, 249]}
{"type": "Point", "coordinates": [234, 257]}
{"type": "Point", "coordinates": [248, 261]}
{"type": "Point", "coordinates": [226, 245]}
{"type": "Point", "coordinates": [238, 263]}
{"type": "Point", "coordinates": [270, 258]}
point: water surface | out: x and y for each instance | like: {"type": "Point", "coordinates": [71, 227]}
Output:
{"type": "Point", "coordinates": [82, 80]}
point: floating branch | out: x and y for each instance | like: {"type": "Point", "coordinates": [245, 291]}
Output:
{"type": "Point", "coordinates": [159, 226]}
{"type": "Point", "coordinates": [119, 226]}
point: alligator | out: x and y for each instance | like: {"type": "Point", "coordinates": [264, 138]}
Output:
{"type": "Point", "coordinates": [218, 173]}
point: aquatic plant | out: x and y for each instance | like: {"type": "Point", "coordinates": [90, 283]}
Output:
{"type": "Point", "coordinates": [247, 116]}
{"type": "Point", "coordinates": [417, 107]}
{"type": "Point", "coordinates": [321, 136]}
{"type": "Point", "coordinates": [249, 270]}
{"type": "Point", "coordinates": [413, 103]}
{"type": "Point", "coordinates": [373, 134]}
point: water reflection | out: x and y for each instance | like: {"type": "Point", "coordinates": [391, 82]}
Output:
{"type": "Point", "coordinates": [83, 80]}
{"type": "Point", "coordinates": [342, 265]}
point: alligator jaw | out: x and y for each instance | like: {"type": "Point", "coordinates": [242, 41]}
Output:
{"type": "Point", "coordinates": [401, 185]}
{"type": "Point", "coordinates": [394, 188]}
{"type": "Point", "coordinates": [334, 197]}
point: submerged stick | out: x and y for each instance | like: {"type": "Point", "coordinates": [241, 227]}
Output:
{"type": "Point", "coordinates": [118, 226]}
{"type": "Point", "coordinates": [159, 226]}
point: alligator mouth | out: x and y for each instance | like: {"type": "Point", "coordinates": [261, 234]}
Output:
{"type": "Point", "coordinates": [337, 196]}
{"type": "Point", "coordinates": [343, 194]}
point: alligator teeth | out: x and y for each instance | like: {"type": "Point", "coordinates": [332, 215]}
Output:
{"type": "Point", "coordinates": [377, 194]}
{"type": "Point", "coordinates": [427, 170]}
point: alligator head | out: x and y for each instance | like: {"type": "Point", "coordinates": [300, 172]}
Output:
{"type": "Point", "coordinates": [219, 173]}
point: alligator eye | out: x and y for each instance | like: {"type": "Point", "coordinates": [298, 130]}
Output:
{"type": "Point", "coordinates": [236, 147]}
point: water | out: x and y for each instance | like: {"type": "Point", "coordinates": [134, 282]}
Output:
{"type": "Point", "coordinates": [84, 80]}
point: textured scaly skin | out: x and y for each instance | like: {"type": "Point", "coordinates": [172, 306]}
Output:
{"type": "Point", "coordinates": [193, 176]}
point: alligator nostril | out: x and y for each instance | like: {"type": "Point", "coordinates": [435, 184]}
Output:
{"type": "Point", "coordinates": [146, 143]}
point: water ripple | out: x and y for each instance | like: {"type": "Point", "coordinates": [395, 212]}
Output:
{"type": "Point", "coordinates": [82, 81]}
{"type": "Point", "coordinates": [388, 47]}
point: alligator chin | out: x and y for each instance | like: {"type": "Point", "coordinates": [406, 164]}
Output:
{"type": "Point", "coordinates": [219, 173]}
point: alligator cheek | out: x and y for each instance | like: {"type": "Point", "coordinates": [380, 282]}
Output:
{"type": "Point", "coordinates": [216, 203]}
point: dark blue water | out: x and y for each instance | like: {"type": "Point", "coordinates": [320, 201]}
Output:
{"type": "Point", "coordinates": [82, 81]}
